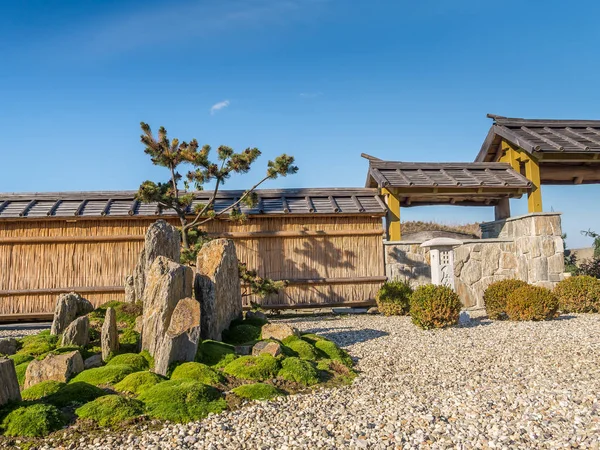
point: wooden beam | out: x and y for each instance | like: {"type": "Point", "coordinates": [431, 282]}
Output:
{"type": "Point", "coordinates": [569, 157]}
{"type": "Point", "coordinates": [30, 205]}
{"type": "Point", "coordinates": [393, 217]}
{"type": "Point", "coordinates": [502, 209]}
{"type": "Point", "coordinates": [560, 173]}
{"type": "Point", "coordinates": [52, 291]}
{"type": "Point", "coordinates": [534, 197]}
{"type": "Point", "coordinates": [317, 305]}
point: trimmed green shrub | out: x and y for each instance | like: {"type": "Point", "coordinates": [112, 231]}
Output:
{"type": "Point", "coordinates": [580, 294]}
{"type": "Point", "coordinates": [434, 306]}
{"type": "Point", "coordinates": [240, 334]}
{"type": "Point", "coordinates": [38, 344]}
{"type": "Point", "coordinates": [301, 348]}
{"type": "Point", "coordinates": [214, 353]}
{"type": "Point", "coordinates": [255, 321]}
{"type": "Point", "coordinates": [20, 358]}
{"type": "Point", "coordinates": [298, 370]}
{"type": "Point", "coordinates": [41, 390]}
{"type": "Point", "coordinates": [137, 362]}
{"type": "Point", "coordinates": [257, 391]}
{"type": "Point", "coordinates": [74, 393]}
{"type": "Point", "coordinates": [495, 297]}
{"type": "Point", "coordinates": [332, 351]}
{"type": "Point", "coordinates": [257, 368]}
{"type": "Point", "coordinates": [138, 382]}
{"type": "Point", "coordinates": [197, 372]}
{"type": "Point", "coordinates": [532, 303]}
{"type": "Point", "coordinates": [33, 421]}
{"type": "Point", "coordinates": [110, 410]}
{"type": "Point", "coordinates": [104, 375]}
{"type": "Point", "coordinates": [21, 369]}
{"type": "Point", "coordinates": [393, 298]}
{"type": "Point", "coordinates": [182, 401]}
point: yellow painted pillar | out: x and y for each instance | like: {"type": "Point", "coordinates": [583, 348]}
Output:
{"type": "Point", "coordinates": [515, 157]}
{"type": "Point", "coordinates": [510, 155]}
{"type": "Point", "coordinates": [393, 217]}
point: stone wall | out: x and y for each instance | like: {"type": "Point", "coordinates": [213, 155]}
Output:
{"type": "Point", "coordinates": [529, 248]}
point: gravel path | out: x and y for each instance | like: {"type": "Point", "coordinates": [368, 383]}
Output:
{"type": "Point", "coordinates": [490, 385]}
{"type": "Point", "coordinates": [22, 329]}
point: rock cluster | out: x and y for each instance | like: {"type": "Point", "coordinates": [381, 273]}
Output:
{"type": "Point", "coordinates": [68, 308]}
{"type": "Point", "coordinates": [77, 333]}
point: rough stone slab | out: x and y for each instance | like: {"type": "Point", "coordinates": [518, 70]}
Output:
{"type": "Point", "coordinates": [217, 287]}
{"type": "Point", "coordinates": [278, 331]}
{"type": "Point", "coordinates": [68, 307]}
{"type": "Point", "coordinates": [54, 367]}
{"type": "Point", "coordinates": [109, 336]}
{"type": "Point", "coordinates": [262, 347]}
{"type": "Point", "coordinates": [243, 350]}
{"type": "Point", "coordinates": [167, 283]}
{"type": "Point", "coordinates": [93, 361]}
{"type": "Point", "coordinates": [259, 315]}
{"type": "Point", "coordinates": [9, 385]}
{"type": "Point", "coordinates": [129, 289]}
{"type": "Point", "coordinates": [8, 346]}
{"type": "Point", "coordinates": [77, 333]}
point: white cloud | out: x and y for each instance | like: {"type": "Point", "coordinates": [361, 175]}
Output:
{"type": "Point", "coordinates": [218, 106]}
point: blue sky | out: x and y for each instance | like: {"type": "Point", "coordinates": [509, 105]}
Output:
{"type": "Point", "coordinates": [323, 80]}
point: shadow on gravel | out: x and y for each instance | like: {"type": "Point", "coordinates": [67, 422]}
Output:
{"type": "Point", "coordinates": [565, 317]}
{"type": "Point", "coordinates": [477, 322]}
{"type": "Point", "coordinates": [350, 337]}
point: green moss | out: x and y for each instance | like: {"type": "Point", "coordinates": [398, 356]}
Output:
{"type": "Point", "coordinates": [129, 341]}
{"type": "Point", "coordinates": [137, 362]}
{"type": "Point", "coordinates": [240, 334]}
{"type": "Point", "coordinates": [213, 353]}
{"type": "Point", "coordinates": [104, 375]}
{"type": "Point", "coordinates": [38, 344]}
{"type": "Point", "coordinates": [21, 369]}
{"type": "Point", "coordinates": [20, 358]}
{"type": "Point", "coordinates": [182, 401]}
{"type": "Point", "coordinates": [41, 390]}
{"type": "Point", "coordinates": [301, 348]}
{"type": "Point", "coordinates": [313, 338]}
{"type": "Point", "coordinates": [59, 351]}
{"type": "Point", "coordinates": [126, 313]}
{"type": "Point", "coordinates": [334, 352]}
{"type": "Point", "coordinates": [74, 393]}
{"type": "Point", "coordinates": [256, 368]}
{"type": "Point", "coordinates": [148, 357]}
{"type": "Point", "coordinates": [198, 372]}
{"type": "Point", "coordinates": [257, 391]}
{"type": "Point", "coordinates": [90, 351]}
{"type": "Point", "coordinates": [138, 382]}
{"type": "Point", "coordinates": [336, 372]}
{"type": "Point", "coordinates": [299, 370]}
{"type": "Point", "coordinates": [254, 321]}
{"type": "Point", "coordinates": [34, 421]}
{"type": "Point", "coordinates": [110, 410]}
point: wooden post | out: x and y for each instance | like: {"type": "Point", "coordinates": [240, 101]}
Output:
{"type": "Point", "coordinates": [502, 209]}
{"type": "Point", "coordinates": [515, 157]}
{"type": "Point", "coordinates": [393, 216]}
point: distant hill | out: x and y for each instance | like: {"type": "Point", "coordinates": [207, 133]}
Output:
{"type": "Point", "coordinates": [471, 230]}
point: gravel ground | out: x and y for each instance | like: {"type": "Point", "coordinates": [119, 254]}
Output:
{"type": "Point", "coordinates": [488, 385]}
{"type": "Point", "coordinates": [22, 329]}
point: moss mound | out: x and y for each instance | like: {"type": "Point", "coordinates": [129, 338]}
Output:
{"type": "Point", "coordinates": [217, 354]}
{"type": "Point", "coordinates": [257, 368]}
{"type": "Point", "coordinates": [332, 351]}
{"type": "Point", "coordinates": [33, 421]}
{"type": "Point", "coordinates": [301, 348]}
{"type": "Point", "coordinates": [74, 393]}
{"type": "Point", "coordinates": [110, 410]}
{"type": "Point", "coordinates": [129, 340]}
{"type": "Point", "coordinates": [104, 375]}
{"type": "Point", "coordinates": [125, 312]}
{"type": "Point", "coordinates": [393, 298]}
{"type": "Point", "coordinates": [336, 371]}
{"type": "Point", "coordinates": [41, 390]}
{"type": "Point", "coordinates": [137, 362]}
{"type": "Point", "coordinates": [240, 334]}
{"type": "Point", "coordinates": [299, 370]}
{"type": "Point", "coordinates": [21, 369]}
{"type": "Point", "coordinates": [580, 294]}
{"type": "Point", "coordinates": [20, 358]}
{"type": "Point", "coordinates": [532, 303]}
{"type": "Point", "coordinates": [198, 372]}
{"type": "Point", "coordinates": [495, 297]}
{"type": "Point", "coordinates": [148, 357]}
{"type": "Point", "coordinates": [38, 344]}
{"type": "Point", "coordinates": [138, 382]}
{"type": "Point", "coordinates": [434, 306]}
{"type": "Point", "coordinates": [257, 391]}
{"type": "Point", "coordinates": [182, 401]}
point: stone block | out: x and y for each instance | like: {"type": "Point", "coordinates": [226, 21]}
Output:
{"type": "Point", "coordinates": [9, 384]}
{"type": "Point", "coordinates": [538, 270]}
{"type": "Point", "coordinates": [8, 346]}
{"type": "Point", "coordinates": [278, 331]}
{"type": "Point", "coordinates": [490, 259]}
{"type": "Point", "coordinates": [262, 347]}
{"type": "Point", "coordinates": [109, 335]}
{"type": "Point", "coordinates": [77, 333]}
{"type": "Point", "coordinates": [471, 272]}
{"type": "Point", "coordinates": [547, 246]}
{"type": "Point", "coordinates": [508, 261]}
{"type": "Point", "coordinates": [68, 307]}
{"type": "Point", "coordinates": [60, 367]}
{"type": "Point", "coordinates": [556, 263]}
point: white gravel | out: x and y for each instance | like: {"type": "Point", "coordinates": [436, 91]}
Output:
{"type": "Point", "coordinates": [490, 385]}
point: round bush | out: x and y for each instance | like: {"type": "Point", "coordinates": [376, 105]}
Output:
{"type": "Point", "coordinates": [41, 390]}
{"type": "Point", "coordinates": [240, 334]}
{"type": "Point", "coordinates": [298, 370]}
{"type": "Point", "coordinates": [34, 421]}
{"type": "Point", "coordinates": [532, 303]}
{"type": "Point", "coordinates": [104, 375]}
{"type": "Point", "coordinates": [74, 393]}
{"type": "Point", "coordinates": [137, 362]}
{"type": "Point", "coordinates": [393, 298]}
{"type": "Point", "coordinates": [495, 297]}
{"type": "Point", "coordinates": [434, 306]}
{"type": "Point", "coordinates": [138, 382]}
{"type": "Point", "coordinates": [580, 294]}
{"type": "Point", "coordinates": [257, 391]}
{"type": "Point", "coordinates": [182, 401]}
{"type": "Point", "coordinates": [257, 368]}
{"type": "Point", "coordinates": [301, 348]}
{"type": "Point", "coordinates": [197, 372]}
{"type": "Point", "coordinates": [110, 410]}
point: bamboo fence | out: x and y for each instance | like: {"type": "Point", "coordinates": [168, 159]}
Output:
{"type": "Point", "coordinates": [329, 260]}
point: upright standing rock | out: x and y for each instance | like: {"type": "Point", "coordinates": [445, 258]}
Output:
{"type": "Point", "coordinates": [129, 289]}
{"type": "Point", "coordinates": [68, 307]}
{"type": "Point", "coordinates": [9, 385]}
{"type": "Point", "coordinates": [109, 336]}
{"type": "Point", "coordinates": [162, 239]}
{"type": "Point", "coordinates": [8, 346]}
{"type": "Point", "coordinates": [217, 287]}
{"type": "Point", "coordinates": [77, 333]}
{"type": "Point", "coordinates": [53, 367]}
{"type": "Point", "coordinates": [167, 282]}
{"type": "Point", "coordinates": [180, 342]}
